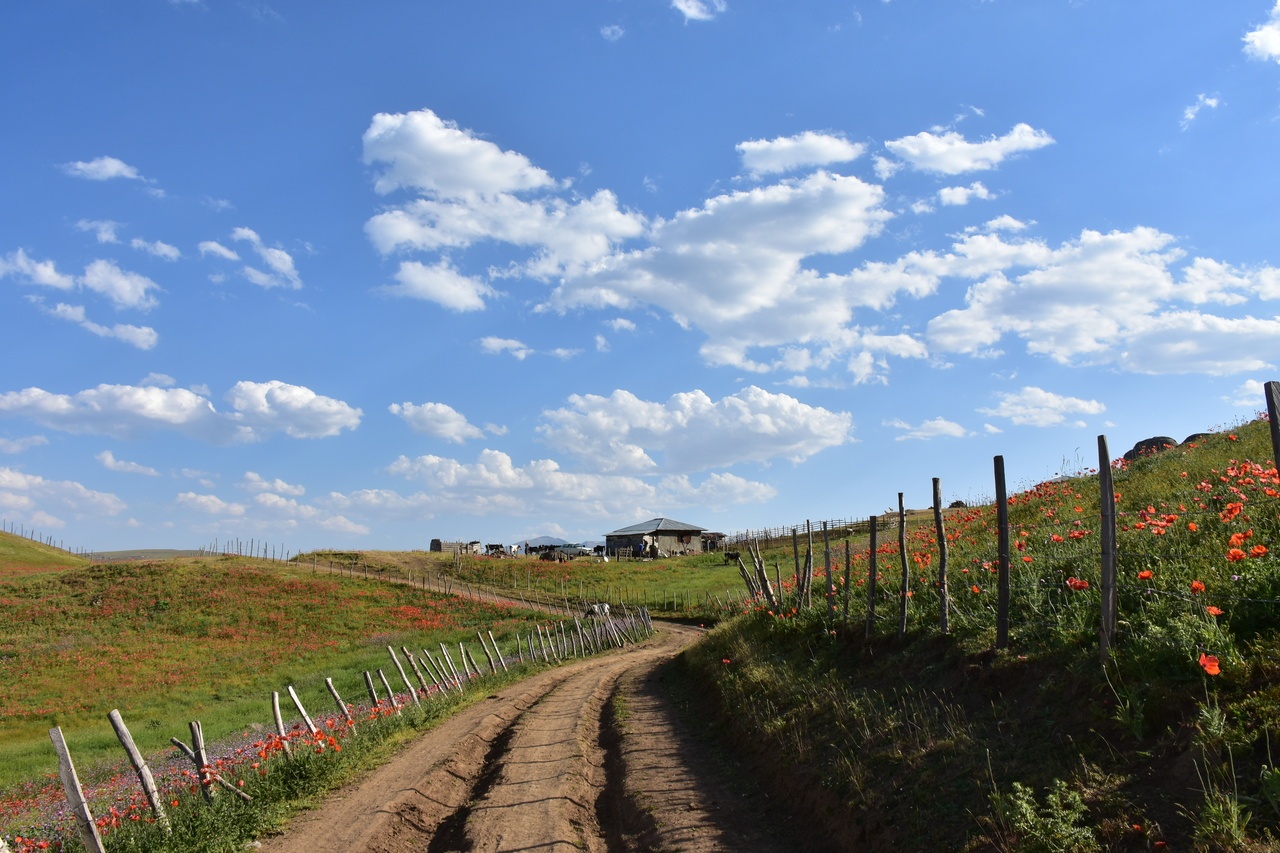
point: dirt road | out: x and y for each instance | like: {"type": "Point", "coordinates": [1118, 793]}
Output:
{"type": "Point", "coordinates": [587, 756]}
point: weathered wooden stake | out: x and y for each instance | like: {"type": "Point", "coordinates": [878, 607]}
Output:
{"type": "Point", "coordinates": [297, 703]}
{"type": "Point", "coordinates": [872, 570]}
{"type": "Point", "coordinates": [145, 779]}
{"type": "Point", "coordinates": [1272, 391]}
{"type": "Point", "coordinates": [75, 796]}
{"type": "Point", "coordinates": [1107, 541]}
{"type": "Point", "coordinates": [826, 559]}
{"type": "Point", "coordinates": [904, 593]}
{"type": "Point", "coordinates": [342, 706]}
{"type": "Point", "coordinates": [391, 693]}
{"type": "Point", "coordinates": [407, 683]}
{"type": "Point", "coordinates": [498, 652]}
{"type": "Point", "coordinates": [280, 730]}
{"type": "Point", "coordinates": [944, 603]}
{"type": "Point", "coordinates": [1002, 539]}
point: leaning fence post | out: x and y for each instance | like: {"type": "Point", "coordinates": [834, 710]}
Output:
{"type": "Point", "coordinates": [75, 796]}
{"type": "Point", "coordinates": [280, 730]}
{"type": "Point", "coordinates": [140, 767]}
{"type": "Point", "coordinates": [407, 683]}
{"type": "Point", "coordinates": [297, 703]}
{"type": "Point", "coordinates": [1002, 531]}
{"type": "Point", "coordinates": [1107, 502]}
{"type": "Point", "coordinates": [342, 706]}
{"type": "Point", "coordinates": [944, 603]}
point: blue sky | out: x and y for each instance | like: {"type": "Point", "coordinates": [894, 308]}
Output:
{"type": "Point", "coordinates": [362, 275]}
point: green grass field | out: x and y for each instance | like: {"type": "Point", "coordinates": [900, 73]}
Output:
{"type": "Point", "coordinates": [207, 639]}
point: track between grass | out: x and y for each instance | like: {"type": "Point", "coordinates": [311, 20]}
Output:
{"type": "Point", "coordinates": [587, 756]}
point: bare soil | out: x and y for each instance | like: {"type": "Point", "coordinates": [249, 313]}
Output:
{"type": "Point", "coordinates": [589, 756]}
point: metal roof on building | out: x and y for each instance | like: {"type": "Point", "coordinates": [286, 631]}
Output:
{"type": "Point", "coordinates": [657, 525]}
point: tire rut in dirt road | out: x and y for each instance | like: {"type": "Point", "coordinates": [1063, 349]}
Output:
{"type": "Point", "coordinates": [586, 757]}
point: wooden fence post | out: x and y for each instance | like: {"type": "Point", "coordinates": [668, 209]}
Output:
{"type": "Point", "coordinates": [848, 581]}
{"type": "Point", "coordinates": [944, 602]}
{"type": "Point", "coordinates": [407, 683]}
{"type": "Point", "coordinates": [1107, 537]}
{"type": "Point", "coordinates": [871, 578]}
{"type": "Point", "coordinates": [1272, 390]}
{"type": "Point", "coordinates": [140, 767]}
{"type": "Point", "coordinates": [904, 591]}
{"type": "Point", "coordinates": [1002, 531]}
{"type": "Point", "coordinates": [342, 706]}
{"type": "Point", "coordinates": [297, 703]}
{"type": "Point", "coordinates": [75, 796]}
{"type": "Point", "coordinates": [826, 559]}
{"type": "Point", "coordinates": [284, 736]}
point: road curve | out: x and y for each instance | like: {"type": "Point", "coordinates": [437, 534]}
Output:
{"type": "Point", "coordinates": [547, 764]}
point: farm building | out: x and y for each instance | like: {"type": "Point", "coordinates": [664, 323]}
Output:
{"type": "Point", "coordinates": [657, 534]}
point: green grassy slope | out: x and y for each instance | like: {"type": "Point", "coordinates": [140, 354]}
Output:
{"type": "Point", "coordinates": [941, 742]}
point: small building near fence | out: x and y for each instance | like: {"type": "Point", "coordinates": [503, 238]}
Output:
{"type": "Point", "coordinates": [648, 538]}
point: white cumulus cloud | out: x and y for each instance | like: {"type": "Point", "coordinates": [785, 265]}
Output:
{"type": "Point", "coordinates": [699, 10]}
{"type": "Point", "coordinates": [102, 169]}
{"type": "Point", "coordinates": [690, 431]}
{"type": "Point", "coordinates": [950, 153]}
{"type": "Point", "coordinates": [935, 428]}
{"type": "Point", "coordinates": [438, 419]}
{"type": "Point", "coordinates": [49, 502]}
{"type": "Point", "coordinates": [440, 283]}
{"type": "Point", "coordinates": [1034, 406]}
{"type": "Point", "coordinates": [280, 270]}
{"type": "Point", "coordinates": [255, 482]}
{"type": "Point", "coordinates": [1263, 42]}
{"type": "Point", "coordinates": [788, 153]}
{"type": "Point", "coordinates": [127, 411]}
{"type": "Point", "coordinates": [157, 248]}
{"type": "Point", "coordinates": [111, 463]}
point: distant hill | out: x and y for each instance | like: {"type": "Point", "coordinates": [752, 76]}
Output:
{"type": "Point", "coordinates": [545, 540]}
{"type": "Point", "coordinates": [146, 554]}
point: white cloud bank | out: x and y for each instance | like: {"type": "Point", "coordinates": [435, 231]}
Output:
{"type": "Point", "coordinates": [31, 497]}
{"type": "Point", "coordinates": [1036, 407]}
{"type": "Point", "coordinates": [126, 411]}
{"type": "Point", "coordinates": [494, 484]}
{"type": "Point", "coordinates": [770, 274]}
{"type": "Point", "coordinates": [690, 431]}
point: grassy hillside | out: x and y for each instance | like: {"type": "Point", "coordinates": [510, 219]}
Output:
{"type": "Point", "coordinates": [19, 555]}
{"type": "Point", "coordinates": [941, 742]}
{"type": "Point", "coordinates": [207, 639]}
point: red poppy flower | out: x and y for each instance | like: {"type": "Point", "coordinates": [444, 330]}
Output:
{"type": "Point", "coordinates": [1144, 575]}
{"type": "Point", "coordinates": [1077, 583]}
{"type": "Point", "coordinates": [1258, 551]}
{"type": "Point", "coordinates": [1197, 587]}
{"type": "Point", "coordinates": [1210, 664]}
{"type": "Point", "coordinates": [1213, 611]}
{"type": "Point", "coordinates": [1235, 555]}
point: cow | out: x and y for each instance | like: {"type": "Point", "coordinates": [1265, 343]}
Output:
{"type": "Point", "coordinates": [597, 611]}
{"type": "Point", "coordinates": [731, 557]}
